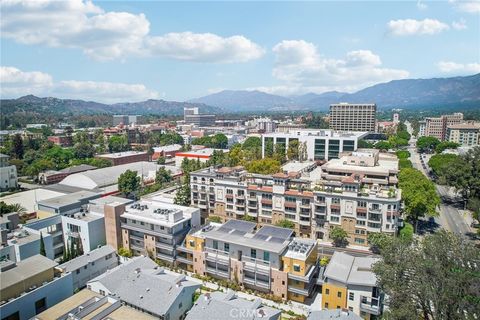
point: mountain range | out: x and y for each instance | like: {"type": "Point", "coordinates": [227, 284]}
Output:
{"type": "Point", "coordinates": [462, 92]}
{"type": "Point", "coordinates": [407, 93]}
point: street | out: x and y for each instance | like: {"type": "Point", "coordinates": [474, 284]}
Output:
{"type": "Point", "coordinates": [449, 217]}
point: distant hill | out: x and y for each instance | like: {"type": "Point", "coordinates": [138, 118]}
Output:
{"type": "Point", "coordinates": [33, 104]}
{"type": "Point", "coordinates": [407, 93]}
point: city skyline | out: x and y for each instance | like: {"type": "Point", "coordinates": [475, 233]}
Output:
{"type": "Point", "coordinates": [124, 51]}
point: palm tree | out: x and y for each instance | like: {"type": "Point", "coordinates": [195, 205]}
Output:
{"type": "Point", "coordinates": [17, 207]}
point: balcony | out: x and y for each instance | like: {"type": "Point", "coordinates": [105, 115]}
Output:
{"type": "Point", "coordinates": [164, 246]}
{"type": "Point", "coordinates": [361, 210]}
{"type": "Point", "coordinates": [335, 206]}
{"type": "Point", "coordinates": [291, 204]}
{"type": "Point", "coordinates": [218, 256]}
{"type": "Point", "coordinates": [138, 238]}
{"type": "Point", "coordinates": [252, 204]}
{"type": "Point", "coordinates": [267, 201]}
{"type": "Point", "coordinates": [305, 205]}
{"type": "Point", "coordinates": [375, 209]}
{"type": "Point", "coordinates": [164, 257]}
{"type": "Point", "coordinates": [305, 213]}
{"type": "Point", "coordinates": [184, 249]}
{"type": "Point", "coordinates": [304, 222]}
{"type": "Point", "coordinates": [136, 247]}
{"type": "Point", "coordinates": [300, 291]}
{"type": "Point", "coordinates": [184, 260]}
{"type": "Point", "coordinates": [240, 196]}
{"type": "Point", "coordinates": [306, 278]}
{"type": "Point", "coordinates": [256, 282]}
{"type": "Point", "coordinates": [218, 272]}
{"type": "Point", "coordinates": [370, 305]}
{"type": "Point", "coordinates": [256, 265]}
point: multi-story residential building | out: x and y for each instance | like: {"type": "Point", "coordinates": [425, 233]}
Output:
{"type": "Point", "coordinates": [357, 192]}
{"type": "Point", "coordinates": [422, 126]}
{"type": "Point", "coordinates": [202, 155]}
{"type": "Point", "coordinates": [125, 119]}
{"type": "Point", "coordinates": [124, 157]}
{"type": "Point", "coordinates": [90, 265]}
{"type": "Point", "coordinates": [353, 117]}
{"type": "Point", "coordinates": [141, 284]}
{"type": "Point", "coordinates": [465, 134]}
{"type": "Point", "coordinates": [68, 203]}
{"type": "Point", "coordinates": [216, 305]}
{"type": "Point", "coordinates": [437, 127]}
{"type": "Point", "coordinates": [350, 283]}
{"type": "Point", "coordinates": [268, 260]}
{"type": "Point", "coordinates": [313, 144]}
{"type": "Point", "coordinates": [87, 304]}
{"type": "Point", "coordinates": [31, 286]}
{"type": "Point", "coordinates": [153, 228]}
{"type": "Point", "coordinates": [193, 116]}
{"type": "Point", "coordinates": [8, 174]}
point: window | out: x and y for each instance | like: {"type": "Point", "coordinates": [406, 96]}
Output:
{"type": "Point", "coordinates": [226, 247]}
{"type": "Point", "coordinates": [215, 244]}
{"type": "Point", "coordinates": [351, 296]}
{"type": "Point", "coordinates": [78, 271]}
{"type": "Point", "coordinates": [296, 268]}
{"type": "Point", "coordinates": [327, 291]}
{"type": "Point", "coordinates": [180, 306]}
{"type": "Point", "coordinates": [102, 292]}
{"type": "Point", "coordinates": [326, 305]}
{"type": "Point", "coordinates": [191, 243]}
{"type": "Point", "coordinates": [253, 253]}
{"type": "Point", "coordinates": [40, 305]}
{"type": "Point", "coordinates": [266, 256]}
{"type": "Point", "coordinates": [339, 294]}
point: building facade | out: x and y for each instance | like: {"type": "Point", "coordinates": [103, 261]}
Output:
{"type": "Point", "coordinates": [465, 134]}
{"type": "Point", "coordinates": [124, 157]}
{"type": "Point", "coordinates": [437, 127]}
{"type": "Point", "coordinates": [350, 283]}
{"type": "Point", "coordinates": [268, 260]}
{"type": "Point", "coordinates": [357, 192]}
{"type": "Point", "coordinates": [193, 116]}
{"type": "Point", "coordinates": [8, 174]}
{"type": "Point", "coordinates": [313, 144]}
{"type": "Point", "coordinates": [353, 117]}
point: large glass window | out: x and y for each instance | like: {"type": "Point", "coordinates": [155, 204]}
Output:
{"type": "Point", "coordinates": [333, 149]}
{"type": "Point", "coordinates": [348, 145]}
{"type": "Point", "coordinates": [319, 151]}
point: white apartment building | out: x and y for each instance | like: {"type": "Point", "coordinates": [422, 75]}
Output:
{"type": "Point", "coordinates": [353, 117]}
{"type": "Point", "coordinates": [357, 192]}
{"type": "Point", "coordinates": [8, 174]}
{"type": "Point", "coordinates": [314, 144]}
{"type": "Point", "coordinates": [157, 228]}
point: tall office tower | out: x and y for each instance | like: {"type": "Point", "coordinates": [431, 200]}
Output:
{"type": "Point", "coordinates": [353, 117]}
{"type": "Point", "coordinates": [437, 127]}
{"type": "Point", "coordinates": [193, 116]}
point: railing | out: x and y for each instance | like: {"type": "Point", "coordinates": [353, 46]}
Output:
{"type": "Point", "coordinates": [256, 265]}
{"type": "Point", "coordinates": [301, 291]}
{"type": "Point", "coordinates": [370, 305]}
{"type": "Point", "coordinates": [182, 248]}
{"type": "Point", "coordinates": [217, 255]}
{"type": "Point", "coordinates": [184, 260]}
{"type": "Point", "coordinates": [256, 282]}
{"type": "Point", "coordinates": [165, 246]}
{"type": "Point", "coordinates": [162, 256]}
{"type": "Point", "coordinates": [290, 204]}
{"type": "Point", "coordinates": [308, 277]}
{"type": "Point", "coordinates": [138, 238]}
{"type": "Point", "coordinates": [218, 272]}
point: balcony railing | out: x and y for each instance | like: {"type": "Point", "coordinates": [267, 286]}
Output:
{"type": "Point", "coordinates": [256, 265]}
{"type": "Point", "coordinates": [370, 305]}
{"type": "Point", "coordinates": [218, 272]}
{"type": "Point", "coordinates": [184, 260]}
{"type": "Point", "coordinates": [165, 257]}
{"type": "Point", "coordinates": [256, 282]}
{"type": "Point", "coordinates": [164, 246]}
{"type": "Point", "coordinates": [182, 248]}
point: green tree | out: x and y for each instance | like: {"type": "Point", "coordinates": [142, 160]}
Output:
{"type": "Point", "coordinates": [406, 232]}
{"type": "Point", "coordinates": [292, 152]}
{"type": "Point", "coordinates": [339, 236]}
{"type": "Point", "coordinates": [215, 219]}
{"type": "Point", "coordinates": [163, 176]}
{"type": "Point", "coordinates": [129, 182]}
{"type": "Point", "coordinates": [161, 160]}
{"type": "Point", "coordinates": [124, 252]}
{"type": "Point", "coordinates": [118, 144]}
{"type": "Point", "coordinates": [18, 148]}
{"type": "Point", "coordinates": [183, 195]}
{"type": "Point", "coordinates": [279, 153]}
{"type": "Point", "coordinates": [434, 278]}
{"type": "Point", "coordinates": [383, 145]}
{"type": "Point", "coordinates": [83, 150]}
{"type": "Point", "coordinates": [427, 144]}
{"type": "Point", "coordinates": [42, 245]}
{"type": "Point", "coordinates": [418, 194]}
{"type": "Point", "coordinates": [365, 144]}
{"type": "Point", "coordinates": [285, 223]}
{"type": "Point", "coordinates": [268, 148]}
{"type": "Point", "coordinates": [446, 145]}
{"type": "Point", "coordinates": [249, 218]}
{"type": "Point", "coordinates": [378, 241]}
{"type": "Point", "coordinates": [264, 166]}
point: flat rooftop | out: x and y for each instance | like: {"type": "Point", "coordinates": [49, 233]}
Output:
{"type": "Point", "coordinates": [300, 248]}
{"type": "Point", "coordinates": [297, 166]}
{"type": "Point", "coordinates": [159, 213]}
{"type": "Point", "coordinates": [121, 154]}
{"type": "Point", "coordinates": [85, 259]}
{"type": "Point", "coordinates": [200, 152]}
{"type": "Point", "coordinates": [69, 199]}
{"type": "Point", "coordinates": [25, 269]}
{"type": "Point", "coordinates": [292, 133]}
{"type": "Point", "coordinates": [269, 238]}
{"type": "Point", "coordinates": [98, 303]}
{"type": "Point", "coordinates": [351, 270]}
{"type": "Point", "coordinates": [29, 198]}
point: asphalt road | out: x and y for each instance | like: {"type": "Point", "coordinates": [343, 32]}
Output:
{"type": "Point", "coordinates": [449, 217]}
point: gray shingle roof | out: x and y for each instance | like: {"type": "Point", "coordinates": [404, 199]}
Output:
{"type": "Point", "coordinates": [85, 259]}
{"type": "Point", "coordinates": [351, 270]}
{"type": "Point", "coordinates": [141, 283]}
{"type": "Point", "coordinates": [224, 306]}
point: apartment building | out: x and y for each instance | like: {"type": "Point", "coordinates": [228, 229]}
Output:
{"type": "Point", "coordinates": [349, 283]}
{"type": "Point", "coordinates": [357, 192]}
{"type": "Point", "coordinates": [353, 117]}
{"type": "Point", "coordinates": [437, 127]}
{"type": "Point", "coordinates": [465, 134]}
{"type": "Point", "coordinates": [153, 228]}
{"type": "Point", "coordinates": [268, 259]}
{"type": "Point", "coordinates": [31, 286]}
{"type": "Point", "coordinates": [314, 144]}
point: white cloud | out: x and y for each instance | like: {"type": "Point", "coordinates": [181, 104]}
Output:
{"type": "Point", "coordinates": [15, 83]}
{"type": "Point", "coordinates": [469, 6]}
{"type": "Point", "coordinates": [300, 65]}
{"type": "Point", "coordinates": [407, 27]}
{"type": "Point", "coordinates": [459, 25]}
{"type": "Point", "coordinates": [421, 5]}
{"type": "Point", "coordinates": [205, 47]}
{"type": "Point", "coordinates": [101, 35]}
{"type": "Point", "coordinates": [459, 68]}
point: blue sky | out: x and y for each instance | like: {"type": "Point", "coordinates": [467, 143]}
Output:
{"type": "Point", "coordinates": [113, 51]}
